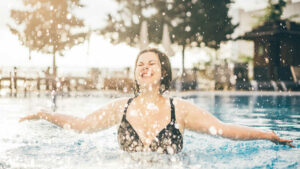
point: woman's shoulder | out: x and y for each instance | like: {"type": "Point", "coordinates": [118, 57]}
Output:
{"type": "Point", "coordinates": [181, 102]}
{"type": "Point", "coordinates": [183, 105]}
{"type": "Point", "coordinates": [118, 103]}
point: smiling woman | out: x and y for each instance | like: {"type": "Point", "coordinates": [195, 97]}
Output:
{"type": "Point", "coordinates": [158, 132]}
{"type": "Point", "coordinates": [148, 66]}
{"type": "Point", "coordinates": [155, 122]}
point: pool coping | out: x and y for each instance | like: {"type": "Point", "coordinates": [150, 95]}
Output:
{"type": "Point", "coordinates": [237, 93]}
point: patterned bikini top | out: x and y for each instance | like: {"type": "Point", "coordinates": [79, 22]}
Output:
{"type": "Point", "coordinates": [169, 140]}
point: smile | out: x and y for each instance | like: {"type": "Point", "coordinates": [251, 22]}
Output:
{"type": "Point", "coordinates": [147, 74]}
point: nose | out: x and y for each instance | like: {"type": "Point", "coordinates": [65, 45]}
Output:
{"type": "Point", "coordinates": [145, 67]}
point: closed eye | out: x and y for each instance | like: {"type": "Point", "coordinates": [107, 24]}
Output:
{"type": "Point", "coordinates": [152, 63]}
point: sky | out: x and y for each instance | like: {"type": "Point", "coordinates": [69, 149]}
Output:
{"type": "Point", "coordinates": [101, 52]}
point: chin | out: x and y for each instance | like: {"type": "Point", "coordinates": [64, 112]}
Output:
{"type": "Point", "coordinates": [148, 82]}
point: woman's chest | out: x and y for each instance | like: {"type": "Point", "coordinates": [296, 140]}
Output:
{"type": "Point", "coordinates": [148, 119]}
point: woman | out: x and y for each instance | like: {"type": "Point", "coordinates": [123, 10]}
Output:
{"type": "Point", "coordinates": [152, 121]}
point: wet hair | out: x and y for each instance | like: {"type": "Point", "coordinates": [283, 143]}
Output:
{"type": "Point", "coordinates": [166, 71]}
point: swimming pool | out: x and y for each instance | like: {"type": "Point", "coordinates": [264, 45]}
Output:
{"type": "Point", "coordinates": [39, 144]}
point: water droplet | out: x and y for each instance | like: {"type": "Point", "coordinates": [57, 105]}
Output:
{"type": "Point", "coordinates": [188, 28]}
{"type": "Point", "coordinates": [220, 131]}
{"type": "Point", "coordinates": [133, 113]}
{"type": "Point", "coordinates": [212, 130]}
{"type": "Point", "coordinates": [170, 150]}
{"type": "Point", "coordinates": [159, 150]}
{"type": "Point", "coordinates": [67, 126]}
{"type": "Point", "coordinates": [69, 16]}
{"type": "Point", "coordinates": [188, 14]}
{"type": "Point", "coordinates": [152, 106]}
{"type": "Point", "coordinates": [39, 34]}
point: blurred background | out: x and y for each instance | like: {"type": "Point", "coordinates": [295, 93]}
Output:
{"type": "Point", "coordinates": [84, 45]}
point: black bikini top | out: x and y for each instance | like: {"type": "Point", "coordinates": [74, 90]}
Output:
{"type": "Point", "coordinates": [169, 140]}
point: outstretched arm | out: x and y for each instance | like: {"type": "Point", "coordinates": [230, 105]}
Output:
{"type": "Point", "coordinates": [202, 121]}
{"type": "Point", "coordinates": [106, 116]}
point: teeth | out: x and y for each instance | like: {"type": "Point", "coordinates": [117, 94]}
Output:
{"type": "Point", "coordinates": [148, 74]}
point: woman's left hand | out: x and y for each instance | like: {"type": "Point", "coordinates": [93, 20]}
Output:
{"type": "Point", "coordinates": [277, 140]}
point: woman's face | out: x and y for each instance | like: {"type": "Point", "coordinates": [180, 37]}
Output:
{"type": "Point", "coordinates": [148, 70]}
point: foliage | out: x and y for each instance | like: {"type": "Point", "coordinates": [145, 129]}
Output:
{"type": "Point", "coordinates": [245, 58]}
{"type": "Point", "coordinates": [48, 26]}
{"type": "Point", "coordinates": [191, 22]}
{"type": "Point", "coordinates": [274, 11]}
{"type": "Point", "coordinates": [125, 26]}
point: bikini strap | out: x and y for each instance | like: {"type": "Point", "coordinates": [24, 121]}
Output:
{"type": "Point", "coordinates": [173, 118]}
{"type": "Point", "coordinates": [126, 107]}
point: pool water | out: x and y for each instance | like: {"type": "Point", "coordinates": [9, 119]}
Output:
{"type": "Point", "coordinates": [39, 144]}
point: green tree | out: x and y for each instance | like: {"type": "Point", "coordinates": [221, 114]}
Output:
{"type": "Point", "coordinates": [191, 22]}
{"type": "Point", "coordinates": [125, 25]}
{"type": "Point", "coordinates": [48, 26]}
{"type": "Point", "coordinates": [274, 10]}
{"type": "Point", "coordinates": [273, 13]}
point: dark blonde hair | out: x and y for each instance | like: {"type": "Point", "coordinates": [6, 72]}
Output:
{"type": "Point", "coordinates": [166, 70]}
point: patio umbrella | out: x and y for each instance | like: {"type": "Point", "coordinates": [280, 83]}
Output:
{"type": "Point", "coordinates": [166, 42]}
{"type": "Point", "coordinates": [144, 36]}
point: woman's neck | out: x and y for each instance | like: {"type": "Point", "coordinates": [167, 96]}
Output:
{"type": "Point", "coordinates": [152, 96]}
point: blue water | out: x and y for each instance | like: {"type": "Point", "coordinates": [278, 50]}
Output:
{"type": "Point", "coordinates": [39, 144]}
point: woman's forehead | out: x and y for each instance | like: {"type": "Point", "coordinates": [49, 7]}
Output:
{"type": "Point", "coordinates": [148, 56]}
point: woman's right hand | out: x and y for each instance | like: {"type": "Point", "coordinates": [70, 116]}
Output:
{"type": "Point", "coordinates": [35, 116]}
{"type": "Point", "coordinates": [104, 117]}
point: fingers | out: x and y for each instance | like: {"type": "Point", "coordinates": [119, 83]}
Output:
{"type": "Point", "coordinates": [30, 117]}
{"type": "Point", "coordinates": [291, 145]}
{"type": "Point", "coordinates": [286, 142]}
{"type": "Point", "coordinates": [22, 119]}
{"type": "Point", "coordinates": [281, 141]}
